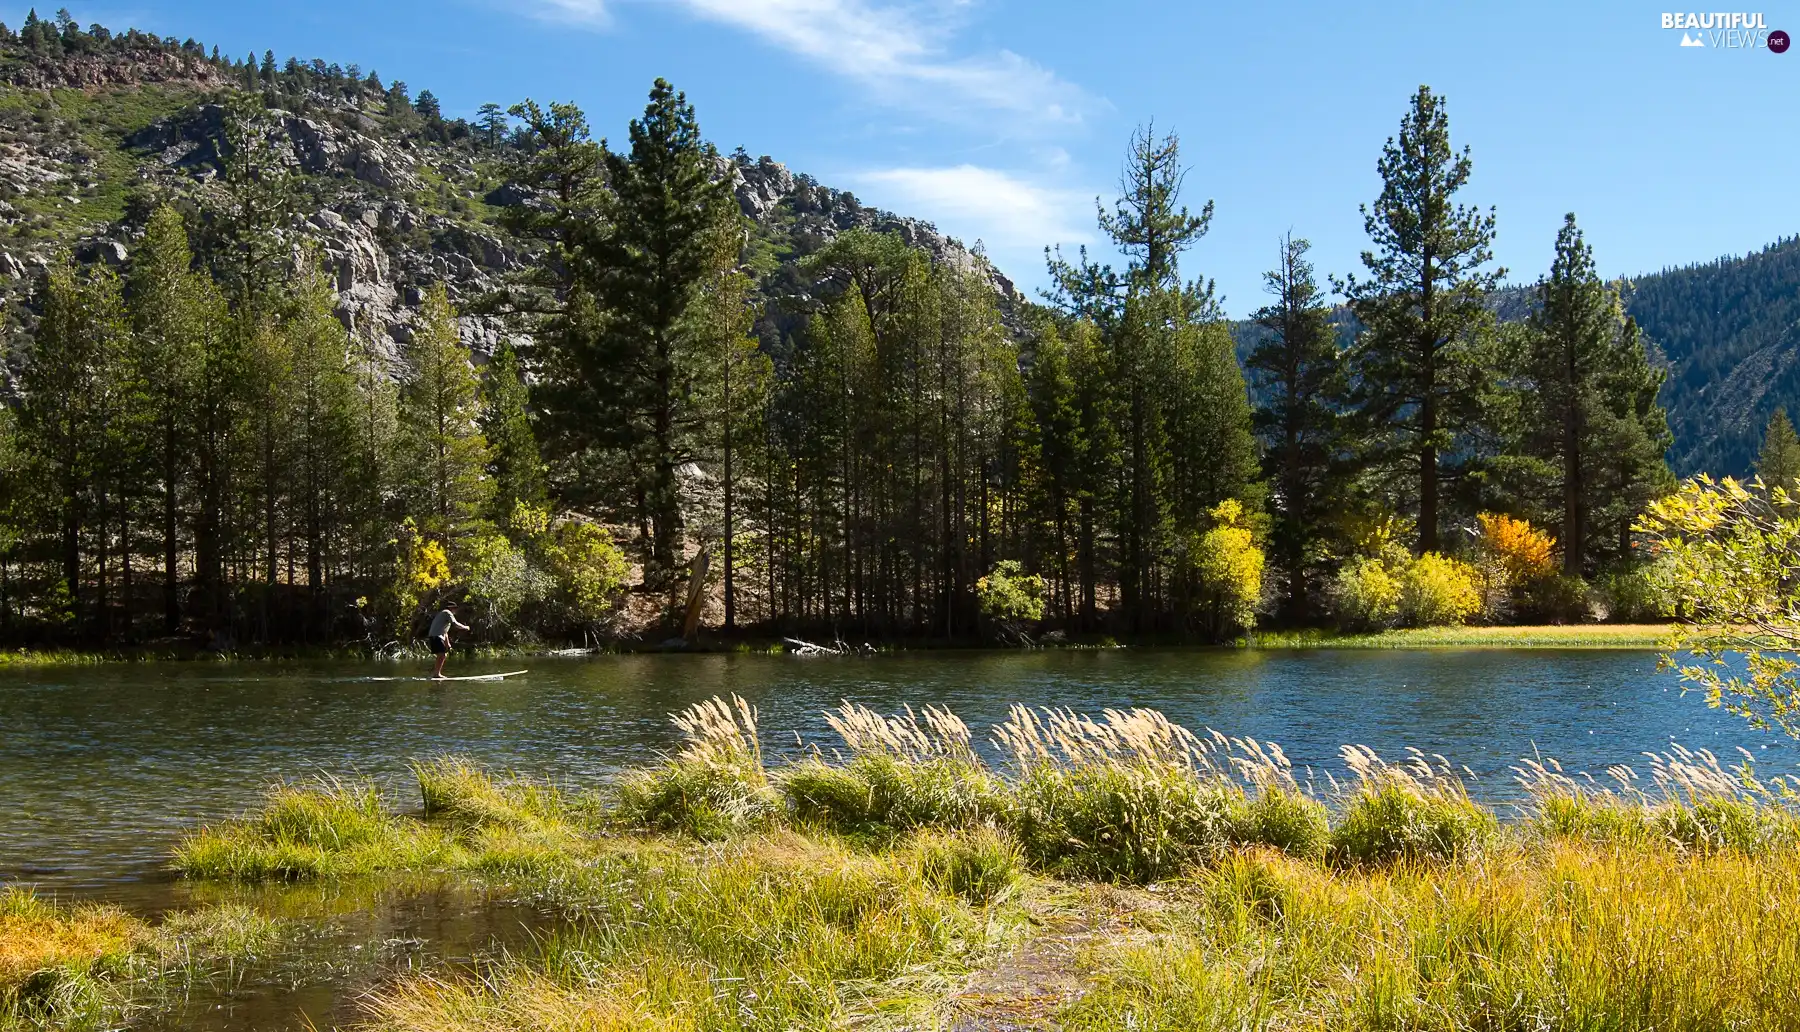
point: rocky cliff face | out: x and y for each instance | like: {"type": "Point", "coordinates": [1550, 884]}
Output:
{"type": "Point", "coordinates": [396, 212]}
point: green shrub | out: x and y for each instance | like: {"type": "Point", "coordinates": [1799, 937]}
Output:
{"type": "Point", "coordinates": [1638, 595]}
{"type": "Point", "coordinates": [1437, 591]}
{"type": "Point", "coordinates": [1558, 599]}
{"type": "Point", "coordinates": [1009, 595]}
{"type": "Point", "coordinates": [1365, 595]}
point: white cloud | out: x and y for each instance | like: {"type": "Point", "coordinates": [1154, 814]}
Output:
{"type": "Point", "coordinates": [1006, 212]}
{"type": "Point", "coordinates": [902, 52]}
{"type": "Point", "coordinates": [592, 13]}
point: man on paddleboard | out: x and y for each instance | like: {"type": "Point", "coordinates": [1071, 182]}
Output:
{"type": "Point", "coordinates": [439, 636]}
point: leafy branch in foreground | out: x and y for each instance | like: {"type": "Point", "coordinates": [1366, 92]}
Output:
{"type": "Point", "coordinates": [1731, 556]}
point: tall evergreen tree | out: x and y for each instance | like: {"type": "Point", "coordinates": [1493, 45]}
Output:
{"type": "Point", "coordinates": [71, 384]}
{"type": "Point", "coordinates": [1301, 382]}
{"type": "Point", "coordinates": [559, 172]}
{"type": "Point", "coordinates": [1184, 415]}
{"type": "Point", "coordinates": [732, 386]}
{"type": "Point", "coordinates": [170, 312]}
{"type": "Point", "coordinates": [1569, 343]}
{"type": "Point", "coordinates": [514, 462]}
{"type": "Point", "coordinates": [1778, 464]}
{"type": "Point", "coordinates": [439, 417]}
{"type": "Point", "coordinates": [1588, 434]}
{"type": "Point", "coordinates": [323, 405]}
{"type": "Point", "coordinates": [667, 202]}
{"type": "Point", "coordinates": [1416, 364]}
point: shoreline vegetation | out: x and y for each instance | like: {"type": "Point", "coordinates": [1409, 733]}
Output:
{"type": "Point", "coordinates": [685, 409]}
{"type": "Point", "coordinates": [1116, 871]}
{"type": "Point", "coordinates": [1546, 636]}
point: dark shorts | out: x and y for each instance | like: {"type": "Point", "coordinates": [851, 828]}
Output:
{"type": "Point", "coordinates": [440, 644]}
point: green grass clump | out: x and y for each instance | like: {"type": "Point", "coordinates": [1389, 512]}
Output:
{"type": "Point", "coordinates": [1413, 812]}
{"type": "Point", "coordinates": [1694, 803]}
{"type": "Point", "coordinates": [459, 791]}
{"type": "Point", "coordinates": [70, 967]}
{"type": "Point", "coordinates": [904, 772]}
{"type": "Point", "coordinates": [764, 932]}
{"type": "Point", "coordinates": [981, 864]}
{"type": "Point", "coordinates": [714, 787]}
{"type": "Point", "coordinates": [1122, 822]}
{"type": "Point", "coordinates": [1283, 818]}
{"type": "Point", "coordinates": [510, 827]}
{"type": "Point", "coordinates": [330, 829]}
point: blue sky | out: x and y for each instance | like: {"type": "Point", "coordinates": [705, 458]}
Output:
{"type": "Point", "coordinates": [1002, 119]}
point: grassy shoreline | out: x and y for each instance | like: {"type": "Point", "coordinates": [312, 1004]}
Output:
{"type": "Point", "coordinates": [1114, 872]}
{"type": "Point", "coordinates": [1571, 636]}
{"type": "Point", "coordinates": [1546, 636]}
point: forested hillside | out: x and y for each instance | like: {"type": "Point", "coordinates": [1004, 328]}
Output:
{"type": "Point", "coordinates": [1731, 332]}
{"type": "Point", "coordinates": [292, 359]}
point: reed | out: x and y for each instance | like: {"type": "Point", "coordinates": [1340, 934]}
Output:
{"type": "Point", "coordinates": [893, 775]}
{"type": "Point", "coordinates": [715, 786]}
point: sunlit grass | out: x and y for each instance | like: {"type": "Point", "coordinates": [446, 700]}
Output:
{"type": "Point", "coordinates": [1548, 636]}
{"type": "Point", "coordinates": [93, 967]}
{"type": "Point", "coordinates": [771, 931]}
{"type": "Point", "coordinates": [859, 885]}
{"type": "Point", "coordinates": [1563, 935]}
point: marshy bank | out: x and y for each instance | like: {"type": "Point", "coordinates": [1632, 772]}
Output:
{"type": "Point", "coordinates": [1087, 872]}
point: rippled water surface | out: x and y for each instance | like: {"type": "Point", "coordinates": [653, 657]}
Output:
{"type": "Point", "coordinates": [101, 768]}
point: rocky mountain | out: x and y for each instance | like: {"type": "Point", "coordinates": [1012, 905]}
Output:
{"type": "Point", "coordinates": [96, 125]}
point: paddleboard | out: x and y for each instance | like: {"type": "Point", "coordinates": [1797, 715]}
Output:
{"type": "Point", "coordinates": [468, 677]}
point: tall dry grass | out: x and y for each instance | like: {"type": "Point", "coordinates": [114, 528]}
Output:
{"type": "Point", "coordinates": [1566, 935]}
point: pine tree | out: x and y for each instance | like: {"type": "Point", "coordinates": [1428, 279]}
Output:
{"type": "Point", "coordinates": [1634, 441]}
{"type": "Point", "coordinates": [514, 462]}
{"type": "Point", "coordinates": [1570, 340]}
{"type": "Point", "coordinates": [1778, 464]}
{"type": "Point", "coordinates": [71, 384]}
{"type": "Point", "coordinates": [732, 386]}
{"type": "Point", "coordinates": [169, 313]}
{"type": "Point", "coordinates": [1416, 364]}
{"type": "Point", "coordinates": [666, 206]}
{"type": "Point", "coordinates": [439, 417]}
{"type": "Point", "coordinates": [1183, 411]}
{"type": "Point", "coordinates": [1301, 383]}
{"type": "Point", "coordinates": [559, 171]}
{"type": "Point", "coordinates": [1586, 436]}
{"type": "Point", "coordinates": [323, 404]}
{"type": "Point", "coordinates": [490, 118]}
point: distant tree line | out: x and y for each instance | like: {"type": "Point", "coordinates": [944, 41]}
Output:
{"type": "Point", "coordinates": [202, 447]}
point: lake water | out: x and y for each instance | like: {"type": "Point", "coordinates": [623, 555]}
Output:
{"type": "Point", "coordinates": [102, 768]}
